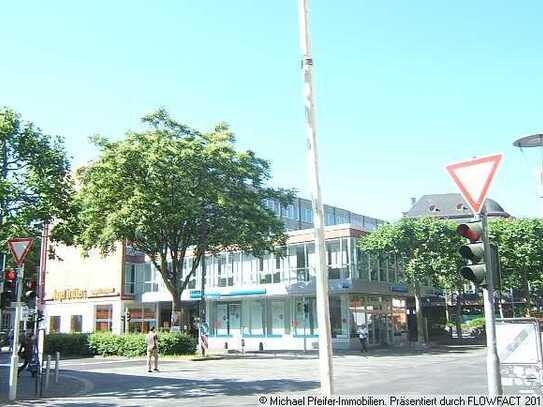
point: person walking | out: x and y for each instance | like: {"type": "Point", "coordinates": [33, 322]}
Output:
{"type": "Point", "coordinates": [152, 349]}
{"type": "Point", "coordinates": [26, 351]}
{"type": "Point", "coordinates": [363, 336]}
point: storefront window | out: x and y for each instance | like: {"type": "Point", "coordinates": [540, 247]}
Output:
{"type": "Point", "coordinates": [54, 324]}
{"type": "Point", "coordinates": [141, 319]}
{"type": "Point", "coordinates": [76, 324]}
{"type": "Point", "coordinates": [253, 317]}
{"type": "Point", "coordinates": [278, 318]}
{"type": "Point", "coordinates": [103, 317]}
{"type": "Point", "coordinates": [225, 318]}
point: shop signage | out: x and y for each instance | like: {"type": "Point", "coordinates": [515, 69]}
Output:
{"type": "Point", "coordinates": [69, 294]}
{"type": "Point", "coordinates": [102, 292]}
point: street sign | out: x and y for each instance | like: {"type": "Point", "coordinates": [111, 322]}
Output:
{"type": "Point", "coordinates": [473, 178]}
{"type": "Point", "coordinates": [19, 248]}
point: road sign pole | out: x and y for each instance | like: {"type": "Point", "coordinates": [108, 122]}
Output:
{"type": "Point", "coordinates": [492, 359]}
{"type": "Point", "coordinates": [14, 365]}
{"type": "Point", "coordinates": [323, 314]}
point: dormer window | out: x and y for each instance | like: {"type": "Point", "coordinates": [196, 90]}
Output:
{"type": "Point", "coordinates": [433, 208]}
{"type": "Point", "coordinates": [461, 207]}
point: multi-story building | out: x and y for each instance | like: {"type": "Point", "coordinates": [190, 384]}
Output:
{"type": "Point", "coordinates": [268, 301]}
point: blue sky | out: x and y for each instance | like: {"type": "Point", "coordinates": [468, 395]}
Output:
{"type": "Point", "coordinates": [402, 87]}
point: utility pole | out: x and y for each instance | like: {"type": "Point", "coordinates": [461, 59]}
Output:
{"type": "Point", "coordinates": [323, 313]}
{"type": "Point", "coordinates": [492, 359]}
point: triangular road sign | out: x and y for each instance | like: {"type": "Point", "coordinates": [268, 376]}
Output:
{"type": "Point", "coordinates": [473, 178]}
{"type": "Point", "coordinates": [19, 248]}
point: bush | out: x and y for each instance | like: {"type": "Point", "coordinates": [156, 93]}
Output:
{"type": "Point", "coordinates": [108, 344]}
{"type": "Point", "coordinates": [176, 344]}
{"type": "Point", "coordinates": [67, 344]}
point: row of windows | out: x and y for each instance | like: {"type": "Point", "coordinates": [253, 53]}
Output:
{"type": "Point", "coordinates": [295, 263]}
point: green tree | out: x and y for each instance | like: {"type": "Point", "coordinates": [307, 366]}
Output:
{"type": "Point", "coordinates": [35, 182]}
{"type": "Point", "coordinates": [175, 192]}
{"type": "Point", "coordinates": [520, 245]}
{"type": "Point", "coordinates": [427, 247]}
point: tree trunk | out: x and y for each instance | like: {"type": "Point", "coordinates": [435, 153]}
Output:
{"type": "Point", "coordinates": [459, 299]}
{"type": "Point", "coordinates": [447, 313]}
{"type": "Point", "coordinates": [421, 338]}
{"type": "Point", "coordinates": [177, 315]}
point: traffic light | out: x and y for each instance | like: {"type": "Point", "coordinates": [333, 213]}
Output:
{"type": "Point", "coordinates": [9, 294]}
{"type": "Point", "coordinates": [474, 252]}
{"type": "Point", "coordinates": [128, 317]}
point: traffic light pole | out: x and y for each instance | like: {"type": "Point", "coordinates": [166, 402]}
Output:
{"type": "Point", "coordinates": [14, 365]}
{"type": "Point", "coordinates": [492, 359]}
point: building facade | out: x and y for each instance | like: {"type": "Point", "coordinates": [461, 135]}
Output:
{"type": "Point", "coordinates": [263, 302]}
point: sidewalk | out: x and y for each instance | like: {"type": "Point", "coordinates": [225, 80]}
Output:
{"type": "Point", "coordinates": [26, 385]}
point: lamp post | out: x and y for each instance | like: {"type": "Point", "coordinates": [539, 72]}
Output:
{"type": "Point", "coordinates": [323, 313]}
{"type": "Point", "coordinates": [533, 141]}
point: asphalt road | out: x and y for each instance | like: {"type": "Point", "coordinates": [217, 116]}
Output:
{"type": "Point", "coordinates": [237, 380]}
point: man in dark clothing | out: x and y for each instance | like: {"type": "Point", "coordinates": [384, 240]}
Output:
{"type": "Point", "coordinates": [25, 351]}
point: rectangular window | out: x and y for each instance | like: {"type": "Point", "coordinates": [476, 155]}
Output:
{"type": "Point", "coordinates": [54, 324]}
{"type": "Point", "coordinates": [253, 317]}
{"type": "Point", "coordinates": [278, 318]}
{"type": "Point", "coordinates": [130, 279]}
{"type": "Point", "coordinates": [103, 317]}
{"type": "Point", "coordinates": [76, 324]}
{"type": "Point", "coordinates": [334, 259]}
{"type": "Point", "coordinates": [141, 319]}
{"type": "Point", "coordinates": [374, 267]}
{"type": "Point", "coordinates": [363, 263]}
{"type": "Point", "coordinates": [383, 267]}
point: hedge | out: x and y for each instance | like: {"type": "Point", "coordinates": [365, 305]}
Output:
{"type": "Point", "coordinates": [108, 344]}
{"type": "Point", "coordinates": [68, 344]}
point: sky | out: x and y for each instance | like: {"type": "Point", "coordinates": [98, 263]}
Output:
{"type": "Point", "coordinates": [402, 88]}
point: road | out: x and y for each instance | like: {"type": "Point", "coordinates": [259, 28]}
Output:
{"type": "Point", "coordinates": [237, 380]}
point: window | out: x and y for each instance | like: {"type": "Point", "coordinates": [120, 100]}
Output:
{"type": "Point", "coordinates": [130, 279]}
{"type": "Point", "coordinates": [54, 324]}
{"type": "Point", "coordinates": [297, 262]}
{"type": "Point", "coordinates": [374, 267]}
{"type": "Point", "coordinates": [334, 259]}
{"type": "Point", "coordinates": [329, 217]}
{"type": "Point", "coordinates": [76, 324]}
{"type": "Point", "coordinates": [363, 263]}
{"type": "Point", "coordinates": [103, 317]}
{"type": "Point", "coordinates": [253, 317]}
{"type": "Point", "coordinates": [141, 319]}
{"type": "Point", "coordinates": [279, 320]}
{"type": "Point", "coordinates": [307, 214]}
{"type": "Point", "coordinates": [338, 318]}
{"type": "Point", "coordinates": [383, 267]}
{"type": "Point", "coordinates": [225, 318]}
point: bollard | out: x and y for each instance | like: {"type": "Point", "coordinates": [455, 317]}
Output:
{"type": "Point", "coordinates": [57, 362]}
{"type": "Point", "coordinates": [242, 345]}
{"type": "Point", "coordinates": [261, 347]}
{"type": "Point", "coordinates": [226, 345]}
{"type": "Point", "coordinates": [47, 369]}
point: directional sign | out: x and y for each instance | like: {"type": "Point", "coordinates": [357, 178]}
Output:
{"type": "Point", "coordinates": [473, 178]}
{"type": "Point", "coordinates": [19, 248]}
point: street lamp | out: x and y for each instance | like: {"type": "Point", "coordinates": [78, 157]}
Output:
{"type": "Point", "coordinates": [533, 141]}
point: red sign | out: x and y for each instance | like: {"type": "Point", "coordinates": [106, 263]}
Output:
{"type": "Point", "coordinates": [11, 275]}
{"type": "Point", "coordinates": [473, 178]}
{"type": "Point", "coordinates": [19, 248]}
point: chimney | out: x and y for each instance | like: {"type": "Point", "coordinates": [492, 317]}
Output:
{"type": "Point", "coordinates": [413, 200]}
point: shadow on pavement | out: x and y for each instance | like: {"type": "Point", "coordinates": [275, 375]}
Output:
{"type": "Point", "coordinates": [141, 387]}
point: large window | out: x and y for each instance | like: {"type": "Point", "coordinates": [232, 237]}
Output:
{"type": "Point", "coordinates": [103, 317]}
{"type": "Point", "coordinates": [338, 318]}
{"type": "Point", "coordinates": [297, 263]}
{"type": "Point", "coordinates": [141, 319]}
{"type": "Point", "coordinates": [225, 318]}
{"type": "Point", "coordinates": [279, 321]}
{"type": "Point", "coordinates": [76, 324]}
{"type": "Point", "coordinates": [253, 317]}
{"type": "Point", "coordinates": [54, 324]}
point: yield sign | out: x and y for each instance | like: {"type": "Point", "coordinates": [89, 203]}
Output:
{"type": "Point", "coordinates": [473, 178]}
{"type": "Point", "coordinates": [19, 248]}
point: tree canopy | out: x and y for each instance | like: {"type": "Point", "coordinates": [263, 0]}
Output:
{"type": "Point", "coordinates": [35, 182]}
{"type": "Point", "coordinates": [173, 191]}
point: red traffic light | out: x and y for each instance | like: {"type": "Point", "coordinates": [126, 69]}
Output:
{"type": "Point", "coordinates": [471, 231]}
{"type": "Point", "coordinates": [11, 275]}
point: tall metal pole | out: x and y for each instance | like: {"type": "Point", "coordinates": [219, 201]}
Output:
{"type": "Point", "coordinates": [492, 359]}
{"type": "Point", "coordinates": [325, 345]}
{"type": "Point", "coordinates": [14, 355]}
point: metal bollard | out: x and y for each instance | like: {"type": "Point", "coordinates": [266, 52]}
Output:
{"type": "Point", "coordinates": [242, 345]}
{"type": "Point", "coordinates": [57, 362]}
{"type": "Point", "coordinates": [261, 347]}
{"type": "Point", "coordinates": [47, 369]}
